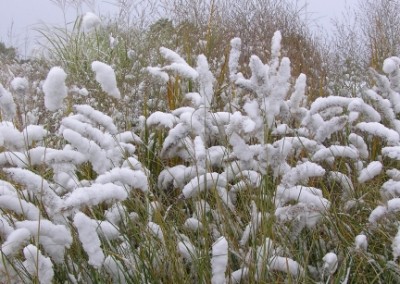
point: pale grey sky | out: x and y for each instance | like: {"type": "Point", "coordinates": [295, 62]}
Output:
{"type": "Point", "coordinates": [18, 18]}
{"type": "Point", "coordinates": [323, 11]}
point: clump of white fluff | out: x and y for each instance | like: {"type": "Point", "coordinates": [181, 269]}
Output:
{"type": "Point", "coordinates": [54, 89]}
{"type": "Point", "coordinates": [105, 76]}
{"type": "Point", "coordinates": [390, 64]}
{"type": "Point", "coordinates": [90, 21]}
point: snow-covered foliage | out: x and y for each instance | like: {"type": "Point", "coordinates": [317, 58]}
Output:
{"type": "Point", "coordinates": [221, 189]}
{"type": "Point", "coordinates": [219, 260]}
{"type": "Point", "coordinates": [89, 239]}
{"type": "Point", "coordinates": [330, 263]}
{"type": "Point", "coordinates": [7, 105]}
{"type": "Point", "coordinates": [47, 209]}
{"type": "Point", "coordinates": [90, 21]}
{"type": "Point", "coordinates": [105, 76]}
{"type": "Point", "coordinates": [54, 89]}
{"type": "Point", "coordinates": [37, 265]}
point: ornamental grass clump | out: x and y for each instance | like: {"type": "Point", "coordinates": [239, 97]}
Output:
{"type": "Point", "coordinates": [252, 183]}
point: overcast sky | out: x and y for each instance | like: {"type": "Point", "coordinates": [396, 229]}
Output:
{"type": "Point", "coordinates": [19, 18]}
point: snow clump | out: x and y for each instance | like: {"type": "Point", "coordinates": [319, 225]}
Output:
{"type": "Point", "coordinates": [90, 21]}
{"type": "Point", "coordinates": [105, 76]}
{"type": "Point", "coordinates": [54, 89]}
{"type": "Point", "coordinates": [390, 64]}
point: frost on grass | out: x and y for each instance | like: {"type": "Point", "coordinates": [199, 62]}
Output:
{"type": "Point", "coordinates": [54, 89]}
{"type": "Point", "coordinates": [105, 76]}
